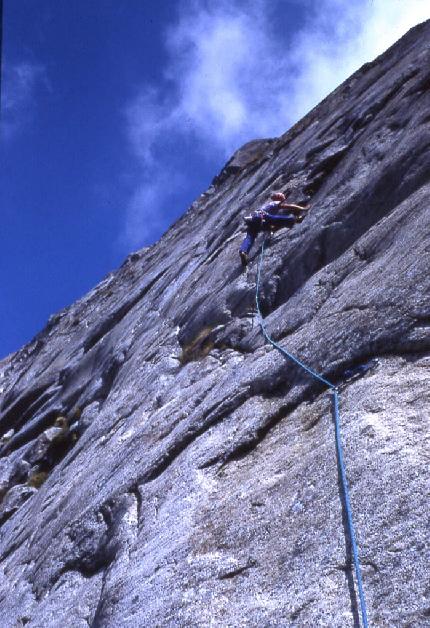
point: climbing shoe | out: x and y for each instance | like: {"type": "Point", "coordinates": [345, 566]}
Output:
{"type": "Point", "coordinates": [243, 258]}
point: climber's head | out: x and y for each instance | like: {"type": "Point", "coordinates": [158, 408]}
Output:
{"type": "Point", "coordinates": [277, 196]}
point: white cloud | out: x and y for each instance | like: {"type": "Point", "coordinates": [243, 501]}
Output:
{"type": "Point", "coordinates": [231, 79]}
{"type": "Point", "coordinates": [20, 84]}
{"type": "Point", "coordinates": [342, 36]}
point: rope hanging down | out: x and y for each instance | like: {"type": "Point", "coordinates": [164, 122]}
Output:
{"type": "Point", "coordinates": [336, 415]}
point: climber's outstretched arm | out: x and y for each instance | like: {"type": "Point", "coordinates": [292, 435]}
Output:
{"type": "Point", "coordinates": [287, 220]}
{"type": "Point", "coordinates": [293, 207]}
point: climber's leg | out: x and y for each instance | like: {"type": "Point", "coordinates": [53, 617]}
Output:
{"type": "Point", "coordinates": [246, 245]}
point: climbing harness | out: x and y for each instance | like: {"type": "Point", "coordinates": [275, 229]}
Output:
{"type": "Point", "coordinates": [340, 459]}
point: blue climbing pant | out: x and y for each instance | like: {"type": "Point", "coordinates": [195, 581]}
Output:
{"type": "Point", "coordinates": [255, 225]}
{"type": "Point", "coordinates": [248, 241]}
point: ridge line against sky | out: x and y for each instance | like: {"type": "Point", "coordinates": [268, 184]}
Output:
{"type": "Point", "coordinates": [117, 114]}
{"type": "Point", "coordinates": [231, 78]}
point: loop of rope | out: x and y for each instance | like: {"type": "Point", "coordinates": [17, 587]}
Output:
{"type": "Point", "coordinates": [339, 451]}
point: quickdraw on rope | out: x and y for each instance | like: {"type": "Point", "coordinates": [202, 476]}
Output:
{"type": "Point", "coordinates": [336, 415]}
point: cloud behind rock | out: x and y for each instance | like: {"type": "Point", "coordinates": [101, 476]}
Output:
{"type": "Point", "coordinates": [231, 77]}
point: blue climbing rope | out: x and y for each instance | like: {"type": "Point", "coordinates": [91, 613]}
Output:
{"type": "Point", "coordinates": [340, 459]}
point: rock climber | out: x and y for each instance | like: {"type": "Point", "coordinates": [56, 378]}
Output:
{"type": "Point", "coordinates": [263, 220]}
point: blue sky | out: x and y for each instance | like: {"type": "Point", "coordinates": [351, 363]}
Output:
{"type": "Point", "coordinates": [116, 115]}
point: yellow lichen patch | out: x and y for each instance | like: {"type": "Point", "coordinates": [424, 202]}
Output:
{"type": "Point", "coordinates": [198, 348]}
{"type": "Point", "coordinates": [37, 479]}
{"type": "Point", "coordinates": [61, 421]}
{"type": "Point", "coordinates": [76, 414]}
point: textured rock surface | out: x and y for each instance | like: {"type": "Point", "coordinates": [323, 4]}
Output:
{"type": "Point", "coordinates": [162, 466]}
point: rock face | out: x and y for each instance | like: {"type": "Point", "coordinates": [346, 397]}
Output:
{"type": "Point", "coordinates": [162, 466]}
